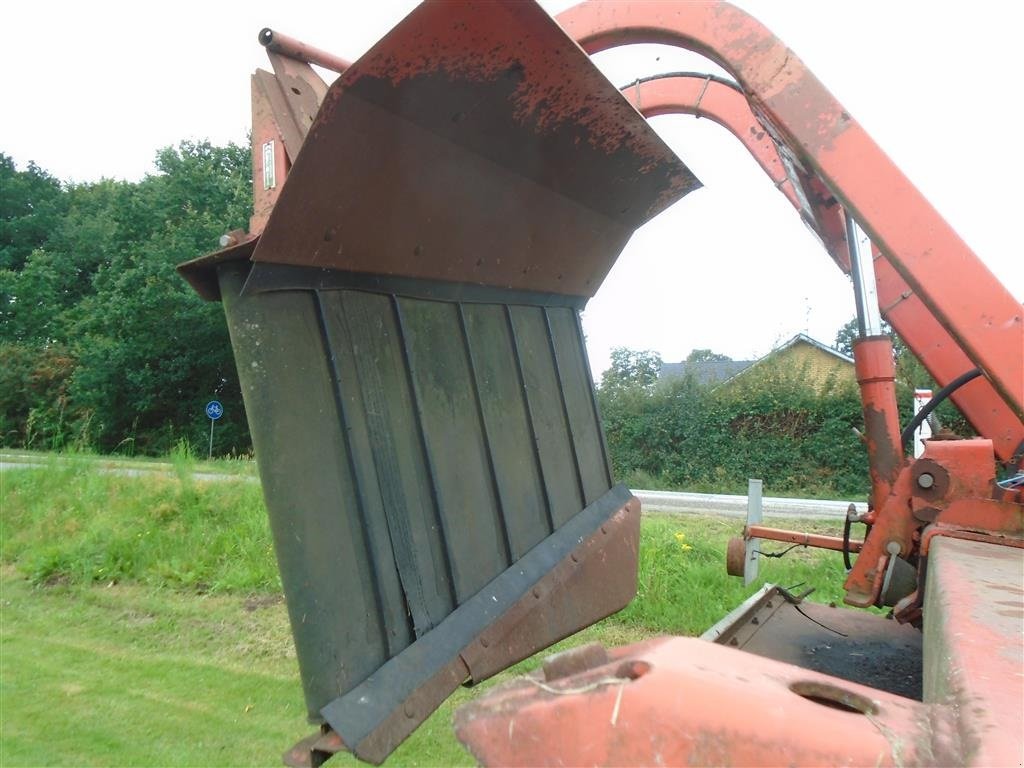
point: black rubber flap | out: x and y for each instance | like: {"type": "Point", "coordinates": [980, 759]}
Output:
{"type": "Point", "coordinates": [358, 715]}
{"type": "Point", "coordinates": [475, 143]}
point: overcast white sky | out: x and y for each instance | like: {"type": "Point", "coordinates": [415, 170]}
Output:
{"type": "Point", "coordinates": [94, 89]}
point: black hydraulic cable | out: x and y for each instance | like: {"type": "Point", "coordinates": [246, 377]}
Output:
{"type": "Point", "coordinates": [908, 432]}
{"type": "Point", "coordinates": [846, 543]}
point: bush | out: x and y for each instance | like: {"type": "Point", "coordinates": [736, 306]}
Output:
{"type": "Point", "coordinates": [773, 425]}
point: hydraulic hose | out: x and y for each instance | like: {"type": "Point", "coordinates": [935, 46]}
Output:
{"type": "Point", "coordinates": [846, 543]}
{"type": "Point", "coordinates": [908, 432]}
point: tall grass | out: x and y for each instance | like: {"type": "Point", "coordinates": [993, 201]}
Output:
{"type": "Point", "coordinates": [682, 585]}
{"type": "Point", "coordinates": [69, 522]}
{"type": "Point", "coordinates": [72, 523]}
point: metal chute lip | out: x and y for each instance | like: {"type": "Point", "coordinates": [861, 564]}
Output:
{"type": "Point", "coordinates": [201, 273]}
{"type": "Point", "coordinates": [463, 111]}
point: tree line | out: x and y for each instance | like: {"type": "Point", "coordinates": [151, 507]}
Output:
{"type": "Point", "coordinates": [102, 345]}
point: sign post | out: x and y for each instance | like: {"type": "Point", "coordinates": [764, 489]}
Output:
{"type": "Point", "coordinates": [214, 410]}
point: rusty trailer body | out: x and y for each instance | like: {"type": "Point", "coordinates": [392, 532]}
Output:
{"type": "Point", "coordinates": [404, 311]}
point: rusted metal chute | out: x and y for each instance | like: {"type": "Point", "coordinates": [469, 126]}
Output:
{"type": "Point", "coordinates": [404, 315]}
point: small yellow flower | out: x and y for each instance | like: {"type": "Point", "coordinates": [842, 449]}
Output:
{"type": "Point", "coordinates": [681, 538]}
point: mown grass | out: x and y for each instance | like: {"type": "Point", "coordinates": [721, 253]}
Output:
{"type": "Point", "coordinates": [142, 621]}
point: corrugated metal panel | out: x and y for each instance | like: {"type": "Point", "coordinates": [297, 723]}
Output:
{"type": "Point", "coordinates": [409, 347]}
{"type": "Point", "coordinates": [411, 450]}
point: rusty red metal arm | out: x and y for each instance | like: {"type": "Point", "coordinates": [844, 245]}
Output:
{"type": "Point", "coordinates": [961, 292]}
{"type": "Point", "coordinates": [817, 540]}
{"type": "Point", "coordinates": [721, 101]}
{"type": "Point", "coordinates": [712, 97]}
{"type": "Point", "coordinates": [300, 51]}
{"type": "Point", "coordinates": [944, 360]}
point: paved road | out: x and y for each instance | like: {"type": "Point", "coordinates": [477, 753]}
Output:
{"type": "Point", "coordinates": [134, 471]}
{"type": "Point", "coordinates": [669, 502]}
{"type": "Point", "coordinates": [727, 505]}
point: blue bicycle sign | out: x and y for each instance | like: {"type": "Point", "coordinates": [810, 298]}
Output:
{"type": "Point", "coordinates": [214, 410]}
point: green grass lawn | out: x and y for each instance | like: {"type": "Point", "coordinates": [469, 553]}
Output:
{"type": "Point", "coordinates": [141, 620]}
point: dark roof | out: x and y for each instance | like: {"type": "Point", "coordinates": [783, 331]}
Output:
{"type": "Point", "coordinates": [710, 372]}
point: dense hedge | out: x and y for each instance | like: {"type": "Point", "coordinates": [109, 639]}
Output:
{"type": "Point", "coordinates": [768, 424]}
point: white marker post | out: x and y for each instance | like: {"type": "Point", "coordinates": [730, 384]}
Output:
{"type": "Point", "coordinates": [754, 517]}
{"type": "Point", "coordinates": [924, 431]}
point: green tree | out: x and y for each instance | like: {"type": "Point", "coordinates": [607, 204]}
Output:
{"type": "Point", "coordinates": [150, 351]}
{"type": "Point", "coordinates": [909, 370]}
{"type": "Point", "coordinates": [631, 369]}
{"type": "Point", "coordinates": [31, 205]}
{"type": "Point", "coordinates": [706, 356]}
{"type": "Point", "coordinates": [133, 352]}
{"type": "Point", "coordinates": [845, 337]}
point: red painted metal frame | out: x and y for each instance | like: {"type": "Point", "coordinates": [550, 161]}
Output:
{"type": "Point", "coordinates": [986, 322]}
{"type": "Point", "coordinates": [707, 96]}
{"type": "Point", "coordinates": [723, 102]}
{"type": "Point", "coordinates": [816, 540]}
{"type": "Point", "coordinates": [960, 495]}
{"type": "Point", "coordinates": [284, 45]}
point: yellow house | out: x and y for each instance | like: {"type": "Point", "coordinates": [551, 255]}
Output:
{"type": "Point", "coordinates": [804, 357]}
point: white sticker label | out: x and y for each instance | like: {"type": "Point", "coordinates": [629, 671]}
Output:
{"type": "Point", "coordinates": [269, 181]}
